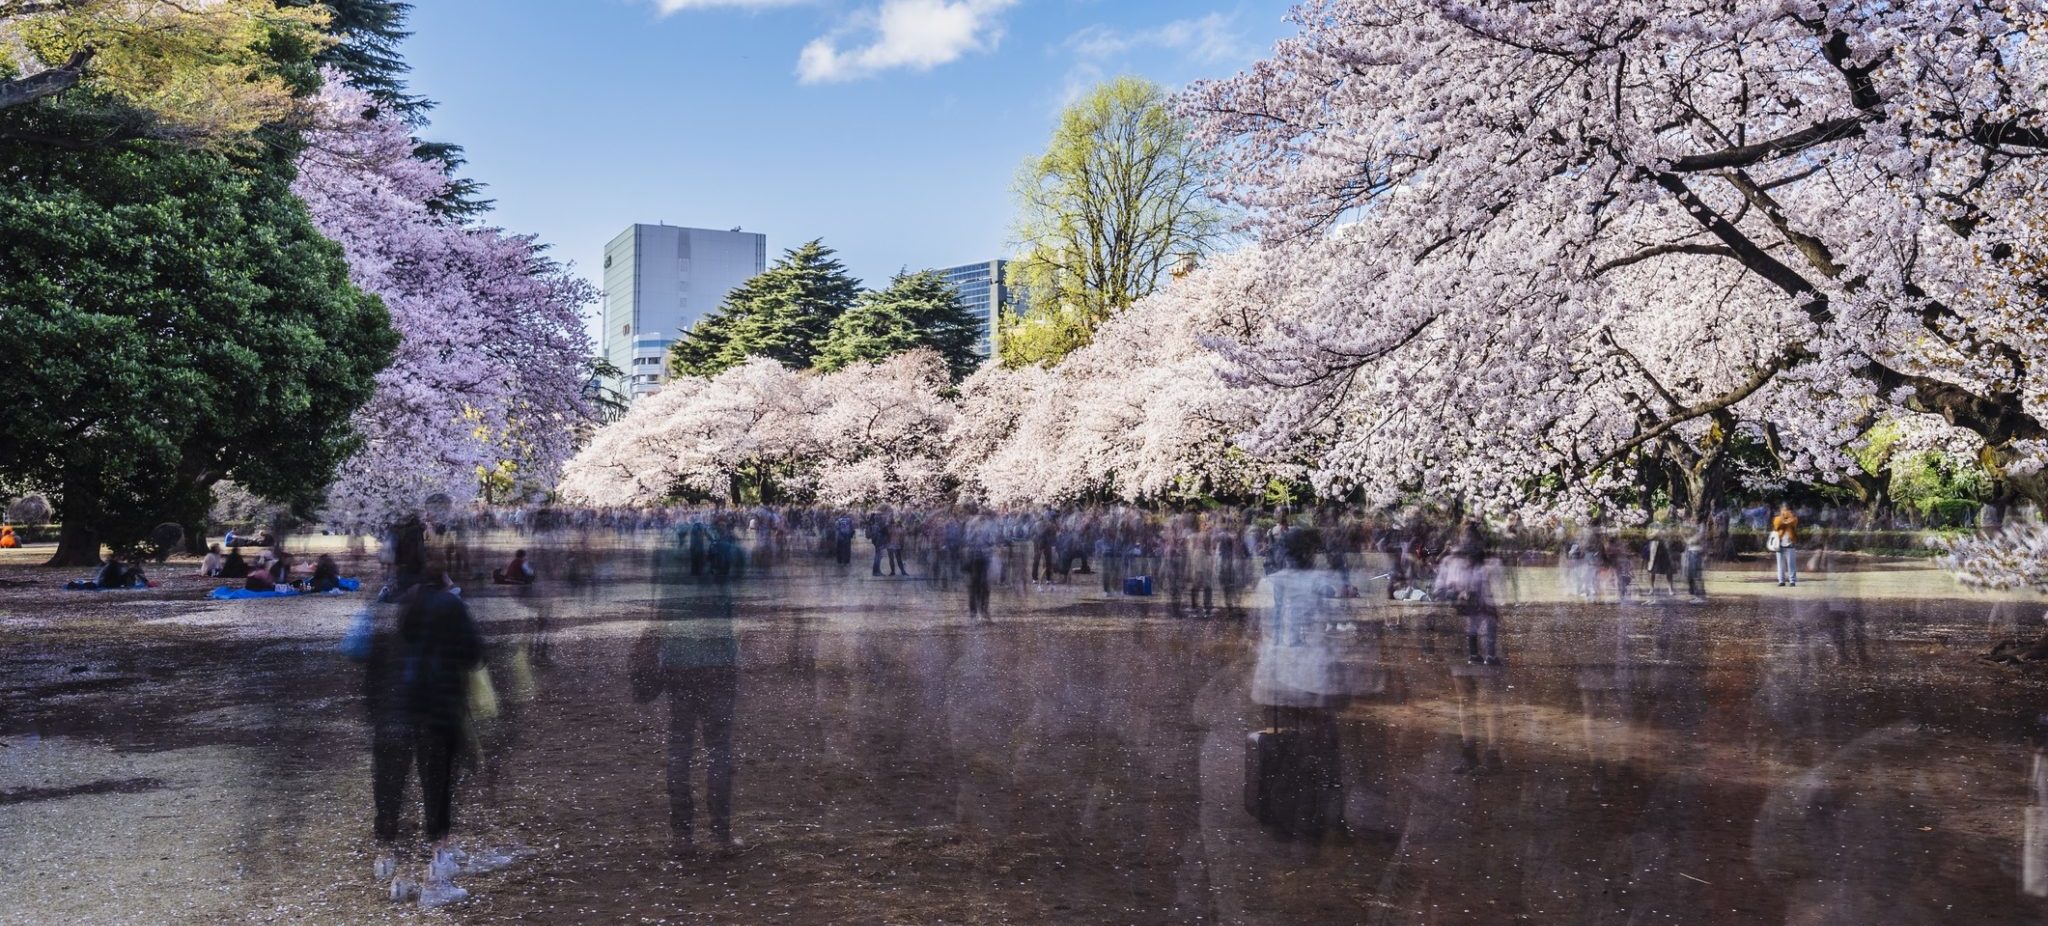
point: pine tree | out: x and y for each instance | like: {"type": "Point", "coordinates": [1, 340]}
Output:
{"type": "Point", "coordinates": [917, 310]}
{"type": "Point", "coordinates": [370, 32]}
{"type": "Point", "coordinates": [784, 314]}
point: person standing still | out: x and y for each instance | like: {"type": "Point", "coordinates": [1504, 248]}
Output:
{"type": "Point", "coordinates": [1785, 527]}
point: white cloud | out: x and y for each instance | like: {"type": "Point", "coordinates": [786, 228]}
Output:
{"type": "Point", "coordinates": [914, 34]}
{"type": "Point", "coordinates": [1212, 38]}
{"type": "Point", "coordinates": [669, 7]}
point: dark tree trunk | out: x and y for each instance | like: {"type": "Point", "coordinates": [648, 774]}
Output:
{"type": "Point", "coordinates": [77, 543]}
{"type": "Point", "coordinates": [195, 537]}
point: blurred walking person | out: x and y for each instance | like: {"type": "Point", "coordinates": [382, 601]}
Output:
{"type": "Point", "coordinates": [974, 562]}
{"type": "Point", "coordinates": [416, 686]}
{"type": "Point", "coordinates": [691, 654]}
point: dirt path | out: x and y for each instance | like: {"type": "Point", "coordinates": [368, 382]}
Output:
{"type": "Point", "coordinates": [165, 759]}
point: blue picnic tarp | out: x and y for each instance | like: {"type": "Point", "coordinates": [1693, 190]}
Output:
{"type": "Point", "coordinates": [225, 593]}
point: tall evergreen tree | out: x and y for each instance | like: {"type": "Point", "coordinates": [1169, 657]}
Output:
{"type": "Point", "coordinates": [917, 310]}
{"type": "Point", "coordinates": [368, 34]}
{"type": "Point", "coordinates": [784, 314]}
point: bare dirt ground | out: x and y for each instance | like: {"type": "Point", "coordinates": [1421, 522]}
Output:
{"type": "Point", "coordinates": [169, 759]}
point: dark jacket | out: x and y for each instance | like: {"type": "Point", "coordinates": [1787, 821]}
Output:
{"type": "Point", "coordinates": [418, 672]}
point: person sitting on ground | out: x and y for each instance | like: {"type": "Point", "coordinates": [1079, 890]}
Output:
{"type": "Point", "coordinates": [326, 575]}
{"type": "Point", "coordinates": [211, 565]}
{"type": "Point", "coordinates": [116, 574]}
{"type": "Point", "coordinates": [281, 567]}
{"type": "Point", "coordinates": [516, 572]}
{"type": "Point", "coordinates": [234, 567]}
{"type": "Point", "coordinates": [260, 581]}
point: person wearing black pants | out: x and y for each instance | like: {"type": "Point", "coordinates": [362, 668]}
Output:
{"type": "Point", "coordinates": [975, 563]}
{"type": "Point", "coordinates": [396, 752]}
{"type": "Point", "coordinates": [416, 688]}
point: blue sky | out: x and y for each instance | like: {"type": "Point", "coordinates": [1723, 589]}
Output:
{"type": "Point", "coordinates": [890, 128]}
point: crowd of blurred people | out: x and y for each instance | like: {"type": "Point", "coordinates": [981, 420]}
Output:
{"type": "Point", "coordinates": [1300, 578]}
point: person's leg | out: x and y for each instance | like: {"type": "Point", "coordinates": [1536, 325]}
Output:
{"type": "Point", "coordinates": [1791, 564]}
{"type": "Point", "coordinates": [436, 750]}
{"type": "Point", "coordinates": [390, 765]}
{"type": "Point", "coordinates": [685, 708]}
{"type": "Point", "coordinates": [721, 697]}
{"type": "Point", "coordinates": [877, 567]}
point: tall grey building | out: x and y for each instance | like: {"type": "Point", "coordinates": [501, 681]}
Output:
{"type": "Point", "coordinates": [658, 280]}
{"type": "Point", "coordinates": [986, 294]}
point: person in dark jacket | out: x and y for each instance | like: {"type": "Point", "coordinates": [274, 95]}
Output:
{"type": "Point", "coordinates": [416, 687]}
{"type": "Point", "coordinates": [117, 574]}
{"type": "Point", "coordinates": [234, 567]}
{"type": "Point", "coordinates": [326, 575]}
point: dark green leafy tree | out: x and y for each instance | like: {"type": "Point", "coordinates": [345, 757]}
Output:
{"type": "Point", "coordinates": [784, 314]}
{"type": "Point", "coordinates": [181, 322]}
{"type": "Point", "coordinates": [917, 310]}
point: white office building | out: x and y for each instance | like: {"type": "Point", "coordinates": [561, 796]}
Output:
{"type": "Point", "coordinates": [660, 279]}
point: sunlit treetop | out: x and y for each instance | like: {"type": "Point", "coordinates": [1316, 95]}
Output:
{"type": "Point", "coordinates": [201, 71]}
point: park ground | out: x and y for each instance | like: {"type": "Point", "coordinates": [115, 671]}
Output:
{"type": "Point", "coordinates": [1827, 754]}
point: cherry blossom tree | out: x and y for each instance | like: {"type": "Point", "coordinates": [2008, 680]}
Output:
{"type": "Point", "coordinates": [704, 437]}
{"type": "Point", "coordinates": [867, 434]}
{"type": "Point", "coordinates": [490, 370]}
{"type": "Point", "coordinates": [882, 429]}
{"type": "Point", "coordinates": [1142, 413]}
{"type": "Point", "coordinates": [1546, 252]}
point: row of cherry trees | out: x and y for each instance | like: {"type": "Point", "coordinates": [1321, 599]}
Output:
{"type": "Point", "coordinates": [865, 434]}
{"type": "Point", "coordinates": [1142, 413]}
{"type": "Point", "coordinates": [1550, 255]}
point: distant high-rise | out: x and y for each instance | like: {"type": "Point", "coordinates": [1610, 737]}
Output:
{"type": "Point", "coordinates": [660, 279]}
{"type": "Point", "coordinates": [985, 292]}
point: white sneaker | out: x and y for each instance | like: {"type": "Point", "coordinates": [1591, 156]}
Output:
{"type": "Point", "coordinates": [387, 865]}
{"type": "Point", "coordinates": [441, 892]}
{"type": "Point", "coordinates": [447, 864]}
{"type": "Point", "coordinates": [402, 890]}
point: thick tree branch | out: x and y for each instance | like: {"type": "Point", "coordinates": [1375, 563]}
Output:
{"type": "Point", "coordinates": [47, 83]}
{"type": "Point", "coordinates": [1771, 149]}
{"type": "Point", "coordinates": [1792, 356]}
{"type": "Point", "coordinates": [1662, 250]}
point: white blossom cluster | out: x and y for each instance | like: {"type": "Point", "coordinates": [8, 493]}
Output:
{"type": "Point", "coordinates": [865, 434]}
